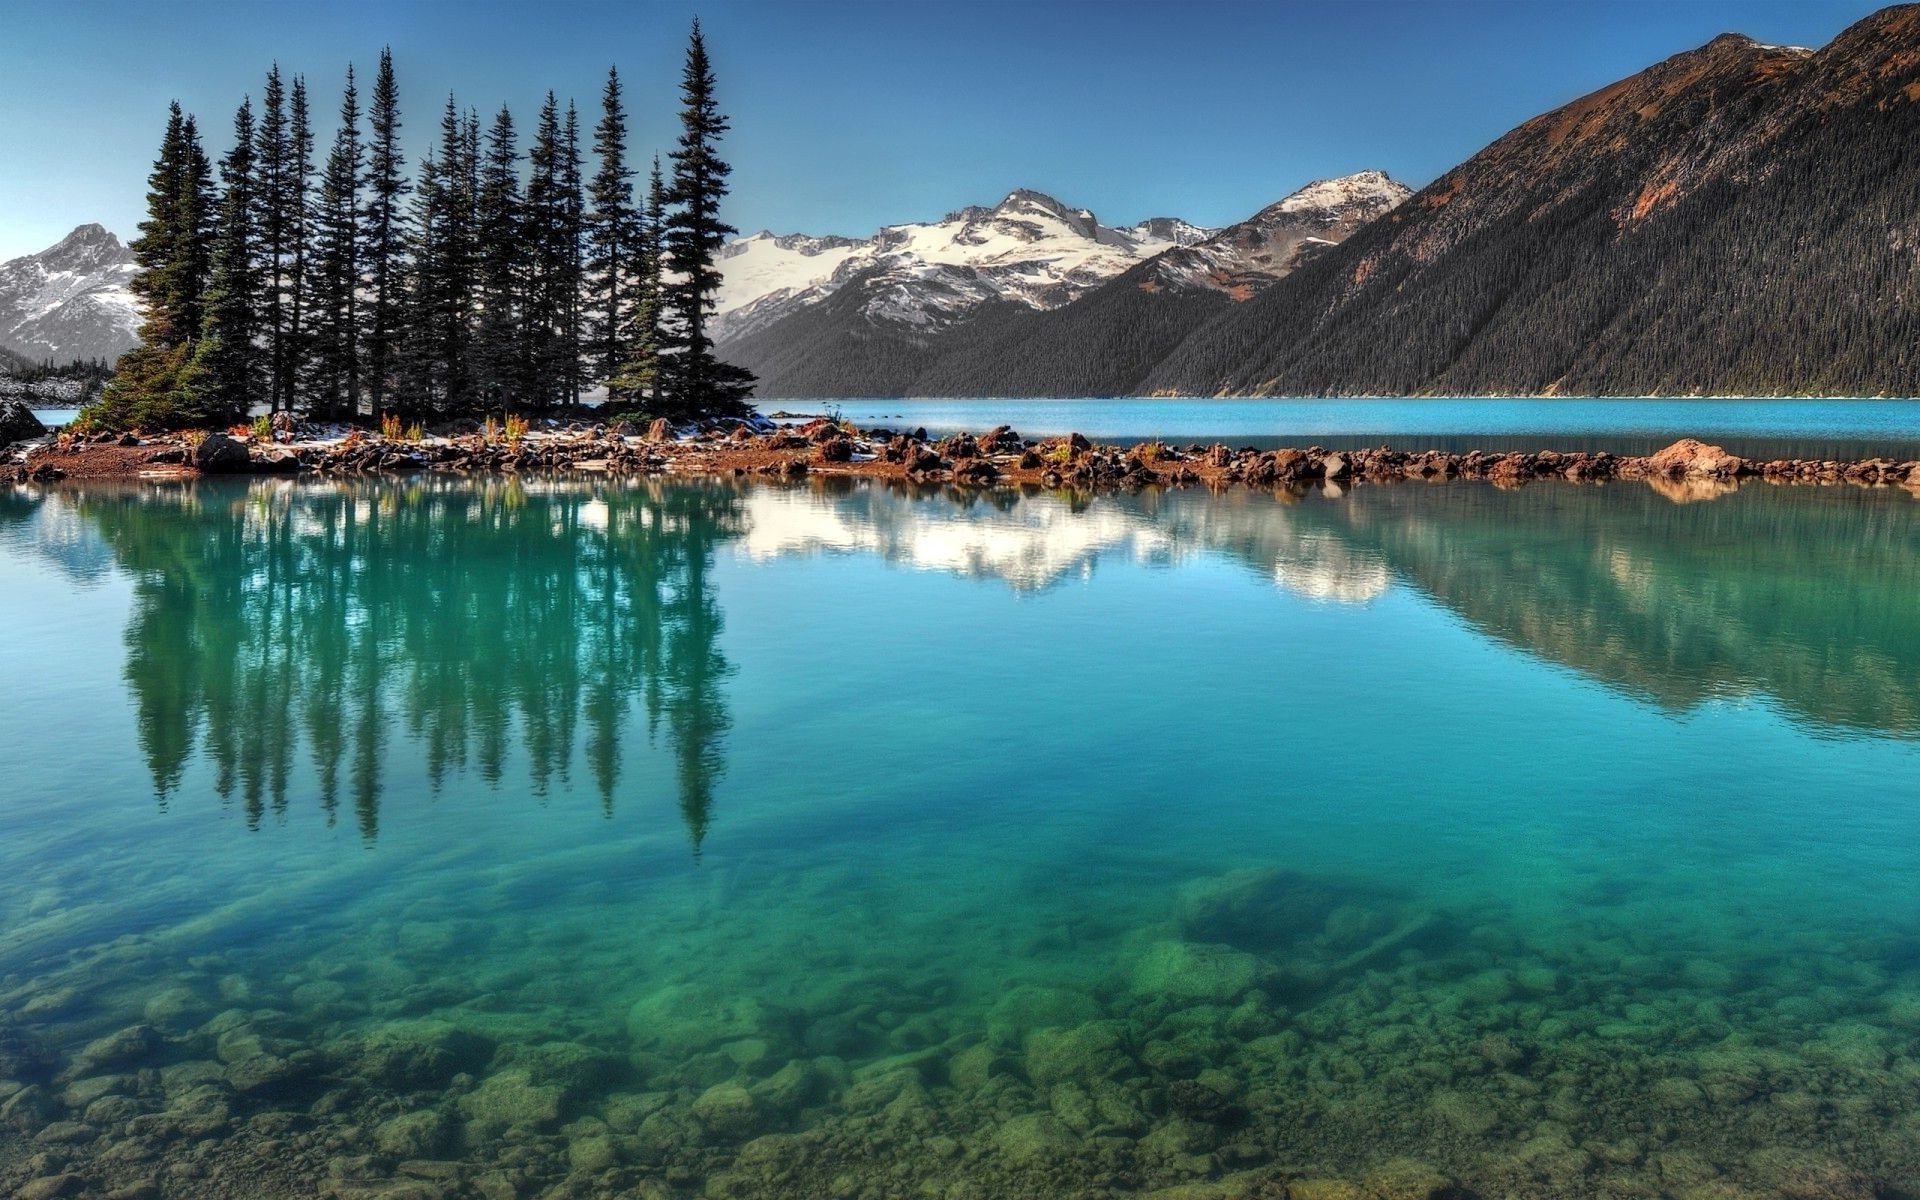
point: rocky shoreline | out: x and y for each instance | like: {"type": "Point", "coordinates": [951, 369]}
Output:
{"type": "Point", "coordinates": [822, 446]}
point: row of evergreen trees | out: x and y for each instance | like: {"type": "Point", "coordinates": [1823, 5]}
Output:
{"type": "Point", "coordinates": [491, 280]}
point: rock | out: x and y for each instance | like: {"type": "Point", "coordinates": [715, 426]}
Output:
{"type": "Point", "coordinates": [1096, 1050]}
{"type": "Point", "coordinates": [1193, 971]}
{"type": "Point", "coordinates": [593, 1154]}
{"type": "Point", "coordinates": [28, 1109]}
{"type": "Point", "coordinates": [1034, 1139]}
{"type": "Point", "coordinates": [1688, 458]}
{"type": "Point", "coordinates": [1027, 1008]}
{"type": "Point", "coordinates": [569, 1066]}
{"type": "Point", "coordinates": [660, 431]}
{"type": "Point", "coordinates": [1292, 466]}
{"type": "Point", "coordinates": [417, 1056]}
{"type": "Point", "coordinates": [128, 1047]}
{"type": "Point", "coordinates": [834, 450]}
{"type": "Point", "coordinates": [50, 1187]}
{"type": "Point", "coordinates": [510, 1099]}
{"type": "Point", "coordinates": [975, 471]}
{"type": "Point", "coordinates": [1260, 909]}
{"type": "Point", "coordinates": [960, 445]}
{"type": "Point", "coordinates": [414, 1135]}
{"type": "Point", "coordinates": [218, 454]}
{"type": "Point", "coordinates": [685, 1019]}
{"type": "Point", "coordinates": [1408, 1179]}
{"type": "Point", "coordinates": [1336, 466]}
{"type": "Point", "coordinates": [262, 1072]}
{"type": "Point", "coordinates": [728, 1111]}
{"type": "Point", "coordinates": [65, 1133]}
{"type": "Point", "coordinates": [175, 1008]}
{"type": "Point", "coordinates": [275, 461]}
{"type": "Point", "coordinates": [17, 422]}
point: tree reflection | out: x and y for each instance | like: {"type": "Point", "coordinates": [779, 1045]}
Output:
{"type": "Point", "coordinates": [472, 621]}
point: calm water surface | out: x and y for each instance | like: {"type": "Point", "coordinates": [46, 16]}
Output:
{"type": "Point", "coordinates": [582, 838]}
{"type": "Point", "coordinates": [1757, 428]}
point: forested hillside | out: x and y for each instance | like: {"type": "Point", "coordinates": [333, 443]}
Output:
{"type": "Point", "coordinates": [1741, 219]}
{"type": "Point", "coordinates": [1738, 219]}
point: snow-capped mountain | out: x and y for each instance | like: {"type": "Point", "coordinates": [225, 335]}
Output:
{"type": "Point", "coordinates": [1244, 258]}
{"type": "Point", "coordinates": [71, 300]}
{"type": "Point", "coordinates": [1029, 248]}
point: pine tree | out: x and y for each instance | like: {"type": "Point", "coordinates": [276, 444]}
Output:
{"type": "Point", "coordinates": [383, 237]}
{"type": "Point", "coordinates": [299, 176]}
{"type": "Point", "coordinates": [156, 250]}
{"type": "Point", "coordinates": [613, 229]}
{"type": "Point", "coordinates": [699, 383]}
{"type": "Point", "coordinates": [273, 202]}
{"type": "Point", "coordinates": [150, 384]}
{"type": "Point", "coordinates": [334, 372]}
{"type": "Point", "coordinates": [639, 368]}
{"type": "Point", "coordinates": [501, 337]}
{"type": "Point", "coordinates": [226, 369]}
{"type": "Point", "coordinates": [542, 227]}
{"type": "Point", "coordinates": [442, 296]}
{"type": "Point", "coordinates": [572, 275]}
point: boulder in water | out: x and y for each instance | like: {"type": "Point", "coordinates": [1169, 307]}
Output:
{"type": "Point", "coordinates": [1692, 459]}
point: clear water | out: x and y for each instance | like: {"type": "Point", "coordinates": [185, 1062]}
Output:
{"type": "Point", "coordinates": [52, 417]}
{"type": "Point", "coordinates": [582, 838]}
{"type": "Point", "coordinates": [1759, 428]}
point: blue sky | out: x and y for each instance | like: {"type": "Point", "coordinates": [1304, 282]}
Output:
{"type": "Point", "coordinates": [851, 115]}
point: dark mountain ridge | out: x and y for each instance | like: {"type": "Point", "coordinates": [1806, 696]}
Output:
{"type": "Point", "coordinates": [1739, 219]}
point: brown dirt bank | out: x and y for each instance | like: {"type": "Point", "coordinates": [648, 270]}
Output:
{"type": "Point", "coordinates": [1686, 470]}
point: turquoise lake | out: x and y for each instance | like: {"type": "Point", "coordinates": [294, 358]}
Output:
{"type": "Point", "coordinates": [442, 837]}
{"type": "Point", "coordinates": [1836, 428]}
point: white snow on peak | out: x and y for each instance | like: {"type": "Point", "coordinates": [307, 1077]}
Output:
{"type": "Point", "coordinates": [1029, 249]}
{"type": "Point", "coordinates": [1242, 259]}
{"type": "Point", "coordinates": [70, 300]}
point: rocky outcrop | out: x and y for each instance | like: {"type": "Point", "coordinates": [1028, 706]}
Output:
{"type": "Point", "coordinates": [1689, 458]}
{"type": "Point", "coordinates": [219, 454]}
{"type": "Point", "coordinates": [17, 423]}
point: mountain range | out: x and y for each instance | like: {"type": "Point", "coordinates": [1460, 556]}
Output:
{"type": "Point", "coordinates": [1741, 218]}
{"type": "Point", "coordinates": [899, 312]}
{"type": "Point", "coordinates": [71, 300]}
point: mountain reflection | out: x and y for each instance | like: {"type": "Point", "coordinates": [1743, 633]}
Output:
{"type": "Point", "coordinates": [1675, 594]}
{"type": "Point", "coordinates": [468, 619]}
{"type": "Point", "coordinates": [282, 629]}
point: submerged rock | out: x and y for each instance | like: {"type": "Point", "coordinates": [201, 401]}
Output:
{"type": "Point", "coordinates": [1096, 1050]}
{"type": "Point", "coordinates": [422, 1134]}
{"type": "Point", "coordinates": [417, 1055]}
{"type": "Point", "coordinates": [1027, 1008]}
{"type": "Point", "coordinates": [1194, 972]}
{"type": "Point", "coordinates": [510, 1099]}
{"type": "Point", "coordinates": [687, 1018]}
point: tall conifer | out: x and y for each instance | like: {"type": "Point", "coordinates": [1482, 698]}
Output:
{"type": "Point", "coordinates": [500, 274]}
{"type": "Point", "coordinates": [383, 237]}
{"type": "Point", "coordinates": [226, 372]}
{"type": "Point", "coordinates": [699, 383]}
{"type": "Point", "coordinates": [334, 372]}
{"type": "Point", "coordinates": [613, 231]}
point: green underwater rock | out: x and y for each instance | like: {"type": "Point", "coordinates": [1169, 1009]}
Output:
{"type": "Point", "coordinates": [1194, 972]}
